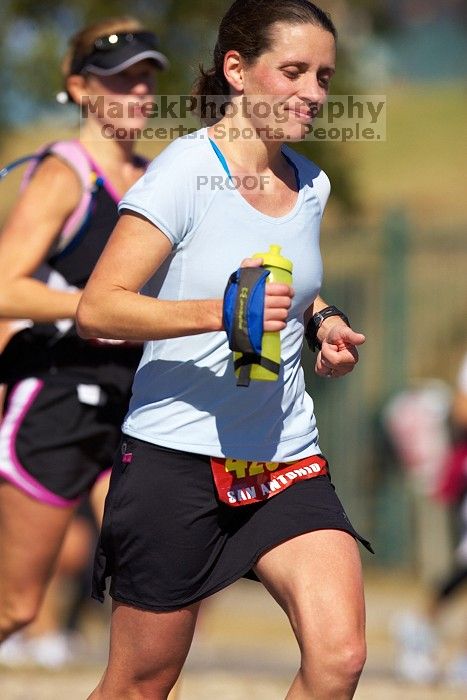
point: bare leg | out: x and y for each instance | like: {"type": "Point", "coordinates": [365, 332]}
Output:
{"type": "Point", "coordinates": [147, 652]}
{"type": "Point", "coordinates": [97, 497]}
{"type": "Point", "coordinates": [31, 534]}
{"type": "Point", "coordinates": [72, 559]}
{"type": "Point", "coordinates": [317, 580]}
{"type": "Point", "coordinates": [175, 692]}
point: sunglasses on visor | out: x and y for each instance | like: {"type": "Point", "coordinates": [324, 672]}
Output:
{"type": "Point", "coordinates": [113, 42]}
{"type": "Point", "coordinates": [116, 41]}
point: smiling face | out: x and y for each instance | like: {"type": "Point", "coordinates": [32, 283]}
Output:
{"type": "Point", "coordinates": [292, 77]}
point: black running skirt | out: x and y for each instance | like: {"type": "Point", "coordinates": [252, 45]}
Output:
{"type": "Point", "coordinates": [167, 541]}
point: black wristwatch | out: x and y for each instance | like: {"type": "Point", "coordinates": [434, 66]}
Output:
{"type": "Point", "coordinates": [311, 331]}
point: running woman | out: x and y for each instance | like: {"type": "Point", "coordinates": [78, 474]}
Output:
{"type": "Point", "coordinates": [62, 416]}
{"type": "Point", "coordinates": [172, 535]}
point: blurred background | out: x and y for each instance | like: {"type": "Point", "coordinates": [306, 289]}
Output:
{"type": "Point", "coordinates": [393, 241]}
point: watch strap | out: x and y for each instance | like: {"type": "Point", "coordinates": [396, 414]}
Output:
{"type": "Point", "coordinates": [311, 331]}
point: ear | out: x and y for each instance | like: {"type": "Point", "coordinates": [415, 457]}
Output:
{"type": "Point", "coordinates": [234, 70]}
{"type": "Point", "coordinates": [76, 87]}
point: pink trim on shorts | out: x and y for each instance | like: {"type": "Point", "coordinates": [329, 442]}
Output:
{"type": "Point", "coordinates": [10, 467]}
{"type": "Point", "coordinates": [106, 472]}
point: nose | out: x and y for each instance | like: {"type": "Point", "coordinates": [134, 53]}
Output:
{"type": "Point", "coordinates": [144, 86]}
{"type": "Point", "coordinates": [313, 91]}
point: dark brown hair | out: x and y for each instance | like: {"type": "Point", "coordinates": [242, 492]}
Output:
{"type": "Point", "coordinates": [246, 28]}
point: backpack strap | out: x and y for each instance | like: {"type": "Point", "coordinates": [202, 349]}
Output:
{"type": "Point", "coordinates": [73, 154]}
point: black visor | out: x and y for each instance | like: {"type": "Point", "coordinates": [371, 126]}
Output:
{"type": "Point", "coordinates": [113, 53]}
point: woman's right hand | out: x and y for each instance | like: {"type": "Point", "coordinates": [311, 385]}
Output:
{"type": "Point", "coordinates": [277, 300]}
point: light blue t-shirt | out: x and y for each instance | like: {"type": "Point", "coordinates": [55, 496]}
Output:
{"type": "Point", "coordinates": [185, 394]}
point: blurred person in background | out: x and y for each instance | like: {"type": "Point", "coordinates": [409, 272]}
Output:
{"type": "Point", "coordinates": [54, 638]}
{"type": "Point", "coordinates": [418, 643]}
{"type": "Point", "coordinates": [65, 398]}
{"type": "Point", "coordinates": [58, 635]}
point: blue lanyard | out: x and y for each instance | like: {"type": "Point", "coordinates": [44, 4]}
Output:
{"type": "Point", "coordinates": [221, 157]}
{"type": "Point", "coordinates": [223, 162]}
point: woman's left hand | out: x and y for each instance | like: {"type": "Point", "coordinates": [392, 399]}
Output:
{"type": "Point", "coordinates": [338, 354]}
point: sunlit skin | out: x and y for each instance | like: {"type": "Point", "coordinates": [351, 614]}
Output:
{"type": "Point", "coordinates": [136, 84]}
{"type": "Point", "coordinates": [288, 83]}
{"type": "Point", "coordinates": [293, 77]}
{"type": "Point", "coordinates": [57, 189]}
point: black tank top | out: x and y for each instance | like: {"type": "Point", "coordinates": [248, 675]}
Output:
{"type": "Point", "coordinates": [78, 260]}
{"type": "Point", "coordinates": [48, 351]}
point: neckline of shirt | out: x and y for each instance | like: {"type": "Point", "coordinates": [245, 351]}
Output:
{"type": "Point", "coordinates": [222, 164]}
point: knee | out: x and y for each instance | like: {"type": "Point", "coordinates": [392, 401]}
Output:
{"type": "Point", "coordinates": [157, 687]}
{"type": "Point", "coordinates": [338, 665]}
{"type": "Point", "coordinates": [14, 615]}
{"type": "Point", "coordinates": [349, 660]}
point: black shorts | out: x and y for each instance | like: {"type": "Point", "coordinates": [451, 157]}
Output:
{"type": "Point", "coordinates": [57, 438]}
{"type": "Point", "coordinates": [167, 541]}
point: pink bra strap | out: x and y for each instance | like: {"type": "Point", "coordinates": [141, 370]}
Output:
{"type": "Point", "coordinates": [74, 155]}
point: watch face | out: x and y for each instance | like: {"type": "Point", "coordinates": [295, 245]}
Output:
{"type": "Point", "coordinates": [320, 316]}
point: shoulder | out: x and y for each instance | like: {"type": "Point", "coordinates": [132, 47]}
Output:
{"type": "Point", "coordinates": [173, 173]}
{"type": "Point", "coordinates": [61, 164]}
{"type": "Point", "coordinates": [310, 174]}
{"type": "Point", "coordinates": [184, 155]}
{"type": "Point", "coordinates": [76, 157]}
{"type": "Point", "coordinates": [51, 175]}
{"type": "Point", "coordinates": [168, 194]}
{"type": "Point", "coordinates": [50, 192]}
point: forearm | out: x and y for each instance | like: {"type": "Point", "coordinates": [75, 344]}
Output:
{"type": "Point", "coordinates": [129, 316]}
{"type": "Point", "coordinates": [32, 299]}
{"type": "Point", "coordinates": [318, 305]}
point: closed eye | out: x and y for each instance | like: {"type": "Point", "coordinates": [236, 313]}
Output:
{"type": "Point", "coordinates": [293, 75]}
{"type": "Point", "coordinates": [294, 70]}
{"type": "Point", "coordinates": [324, 78]}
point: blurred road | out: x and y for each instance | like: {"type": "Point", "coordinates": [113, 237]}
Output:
{"type": "Point", "coordinates": [244, 649]}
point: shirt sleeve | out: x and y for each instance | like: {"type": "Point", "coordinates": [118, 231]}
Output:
{"type": "Point", "coordinates": [311, 174]}
{"type": "Point", "coordinates": [322, 187]}
{"type": "Point", "coordinates": [163, 195]}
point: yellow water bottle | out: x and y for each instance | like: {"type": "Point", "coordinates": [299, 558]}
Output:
{"type": "Point", "coordinates": [280, 270]}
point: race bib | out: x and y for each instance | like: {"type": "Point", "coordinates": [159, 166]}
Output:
{"type": "Point", "coordinates": [240, 482]}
